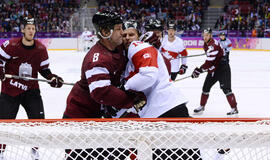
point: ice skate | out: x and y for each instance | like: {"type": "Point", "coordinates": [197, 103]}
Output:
{"type": "Point", "coordinates": [199, 110]}
{"type": "Point", "coordinates": [34, 154]}
{"type": "Point", "coordinates": [234, 111]}
{"type": "Point", "coordinates": [2, 156]}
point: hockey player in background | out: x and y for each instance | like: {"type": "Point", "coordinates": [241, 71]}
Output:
{"type": "Point", "coordinates": [218, 68]}
{"type": "Point", "coordinates": [155, 26]}
{"type": "Point", "coordinates": [146, 72]}
{"type": "Point", "coordinates": [101, 70]}
{"type": "Point", "coordinates": [24, 57]}
{"type": "Point", "coordinates": [87, 38]}
{"type": "Point", "coordinates": [173, 48]}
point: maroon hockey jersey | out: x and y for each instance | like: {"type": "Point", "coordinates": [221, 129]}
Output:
{"type": "Point", "coordinates": [100, 75]}
{"type": "Point", "coordinates": [214, 54]}
{"type": "Point", "coordinates": [14, 54]}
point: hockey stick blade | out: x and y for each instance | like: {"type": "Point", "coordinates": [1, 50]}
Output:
{"type": "Point", "coordinates": [33, 79]}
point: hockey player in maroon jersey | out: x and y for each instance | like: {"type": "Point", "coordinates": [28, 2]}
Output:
{"type": "Point", "coordinates": [218, 68]}
{"type": "Point", "coordinates": [101, 71]}
{"type": "Point", "coordinates": [24, 57]}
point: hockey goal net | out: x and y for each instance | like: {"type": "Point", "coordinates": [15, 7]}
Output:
{"type": "Point", "coordinates": [140, 139]}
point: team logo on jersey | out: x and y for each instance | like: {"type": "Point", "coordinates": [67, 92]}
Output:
{"type": "Point", "coordinates": [146, 55]}
{"type": "Point", "coordinates": [25, 70]}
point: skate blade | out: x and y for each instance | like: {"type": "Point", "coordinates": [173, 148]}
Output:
{"type": "Point", "coordinates": [233, 116]}
{"type": "Point", "coordinates": [198, 113]}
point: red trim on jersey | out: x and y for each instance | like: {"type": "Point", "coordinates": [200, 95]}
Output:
{"type": "Point", "coordinates": [146, 57]}
{"type": "Point", "coordinates": [131, 74]}
{"type": "Point", "coordinates": [230, 45]}
{"type": "Point", "coordinates": [171, 53]}
{"type": "Point", "coordinates": [184, 53]}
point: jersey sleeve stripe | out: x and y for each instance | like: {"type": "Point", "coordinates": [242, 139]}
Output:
{"type": "Point", "coordinates": [212, 53]}
{"type": "Point", "coordinates": [210, 58]}
{"type": "Point", "coordinates": [99, 84]}
{"type": "Point", "coordinates": [4, 54]}
{"type": "Point", "coordinates": [96, 71]}
{"type": "Point", "coordinates": [43, 63]}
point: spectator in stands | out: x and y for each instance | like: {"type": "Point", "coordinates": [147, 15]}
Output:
{"type": "Point", "coordinates": [50, 15]}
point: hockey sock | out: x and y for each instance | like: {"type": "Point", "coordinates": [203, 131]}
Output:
{"type": "Point", "coordinates": [232, 101]}
{"type": "Point", "coordinates": [204, 98]}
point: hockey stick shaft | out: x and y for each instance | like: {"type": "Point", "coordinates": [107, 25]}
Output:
{"type": "Point", "coordinates": [196, 55]}
{"type": "Point", "coordinates": [182, 78]}
{"type": "Point", "coordinates": [185, 77]}
{"type": "Point", "coordinates": [33, 79]}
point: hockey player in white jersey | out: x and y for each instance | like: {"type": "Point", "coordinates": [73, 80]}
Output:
{"type": "Point", "coordinates": [173, 48]}
{"type": "Point", "coordinates": [226, 44]}
{"type": "Point", "coordinates": [87, 37]}
{"type": "Point", "coordinates": [146, 71]}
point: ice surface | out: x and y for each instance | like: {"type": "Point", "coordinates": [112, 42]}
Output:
{"type": "Point", "coordinates": [250, 83]}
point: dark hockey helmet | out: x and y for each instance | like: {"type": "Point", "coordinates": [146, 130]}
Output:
{"type": "Point", "coordinates": [153, 24]}
{"type": "Point", "coordinates": [106, 20]}
{"type": "Point", "coordinates": [131, 24]}
{"type": "Point", "coordinates": [222, 34]}
{"type": "Point", "coordinates": [27, 20]}
{"type": "Point", "coordinates": [207, 30]}
{"type": "Point", "coordinates": [171, 25]}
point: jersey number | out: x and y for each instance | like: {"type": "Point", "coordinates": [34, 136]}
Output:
{"type": "Point", "coordinates": [6, 43]}
{"type": "Point", "coordinates": [95, 57]}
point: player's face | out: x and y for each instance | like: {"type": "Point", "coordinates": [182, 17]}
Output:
{"type": "Point", "coordinates": [171, 33]}
{"type": "Point", "coordinates": [129, 35]}
{"type": "Point", "coordinates": [222, 37]}
{"type": "Point", "coordinates": [116, 36]}
{"type": "Point", "coordinates": [206, 37]}
{"type": "Point", "coordinates": [158, 33]}
{"type": "Point", "coordinates": [29, 32]}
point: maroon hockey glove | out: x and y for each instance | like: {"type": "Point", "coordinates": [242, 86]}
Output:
{"type": "Point", "coordinates": [56, 81]}
{"type": "Point", "coordinates": [183, 69]}
{"type": "Point", "coordinates": [139, 99]}
{"type": "Point", "coordinates": [197, 71]}
{"type": "Point", "coordinates": [151, 38]}
{"type": "Point", "coordinates": [2, 73]}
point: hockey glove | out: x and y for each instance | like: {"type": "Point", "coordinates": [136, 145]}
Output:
{"type": "Point", "coordinates": [197, 71]}
{"type": "Point", "coordinates": [139, 99]}
{"type": "Point", "coordinates": [183, 69]}
{"type": "Point", "coordinates": [2, 73]}
{"type": "Point", "coordinates": [151, 38]}
{"type": "Point", "coordinates": [109, 111]}
{"type": "Point", "coordinates": [56, 81]}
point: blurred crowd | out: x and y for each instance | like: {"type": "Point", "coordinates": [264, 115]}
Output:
{"type": "Point", "coordinates": [187, 13]}
{"type": "Point", "coordinates": [50, 15]}
{"type": "Point", "coordinates": [246, 15]}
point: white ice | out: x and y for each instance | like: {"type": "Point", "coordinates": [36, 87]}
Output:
{"type": "Point", "coordinates": [250, 84]}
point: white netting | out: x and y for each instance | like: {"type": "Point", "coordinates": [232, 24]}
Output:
{"type": "Point", "coordinates": [137, 140]}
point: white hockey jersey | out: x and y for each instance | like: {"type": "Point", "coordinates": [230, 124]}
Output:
{"type": "Point", "coordinates": [146, 71]}
{"type": "Point", "coordinates": [174, 50]}
{"type": "Point", "coordinates": [226, 45]}
{"type": "Point", "coordinates": [86, 35]}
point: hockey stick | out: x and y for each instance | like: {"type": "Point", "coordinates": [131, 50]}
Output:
{"type": "Point", "coordinates": [182, 78]}
{"type": "Point", "coordinates": [141, 103]}
{"type": "Point", "coordinates": [196, 55]}
{"type": "Point", "coordinates": [186, 77]}
{"type": "Point", "coordinates": [33, 79]}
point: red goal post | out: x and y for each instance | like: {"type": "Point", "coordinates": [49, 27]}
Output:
{"type": "Point", "coordinates": [141, 139]}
